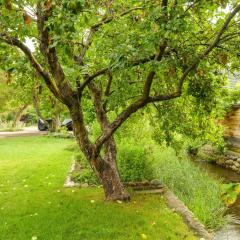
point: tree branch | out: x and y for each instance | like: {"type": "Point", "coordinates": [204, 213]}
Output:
{"type": "Point", "coordinates": [36, 65]}
{"type": "Point", "coordinates": [209, 49]}
{"type": "Point", "coordinates": [50, 53]}
{"type": "Point", "coordinates": [103, 71]}
{"type": "Point", "coordinates": [143, 101]}
{"type": "Point", "coordinates": [150, 77]}
{"type": "Point", "coordinates": [107, 20]}
{"type": "Point", "coordinates": [95, 28]}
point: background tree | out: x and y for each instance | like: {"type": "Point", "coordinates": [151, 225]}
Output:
{"type": "Point", "coordinates": [23, 88]}
{"type": "Point", "coordinates": [123, 56]}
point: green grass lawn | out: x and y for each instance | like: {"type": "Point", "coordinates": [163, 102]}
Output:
{"type": "Point", "coordinates": [34, 204]}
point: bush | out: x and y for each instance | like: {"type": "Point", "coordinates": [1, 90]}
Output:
{"type": "Point", "coordinates": [134, 163]}
{"type": "Point", "coordinates": [193, 186]}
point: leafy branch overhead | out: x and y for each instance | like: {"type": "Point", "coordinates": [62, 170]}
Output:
{"type": "Point", "coordinates": [122, 56]}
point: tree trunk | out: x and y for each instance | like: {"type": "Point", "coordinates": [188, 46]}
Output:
{"type": "Point", "coordinates": [54, 126]}
{"type": "Point", "coordinates": [109, 177]}
{"type": "Point", "coordinates": [35, 98]}
{"type": "Point", "coordinates": [104, 167]}
{"type": "Point", "coordinates": [18, 115]}
{"type": "Point", "coordinates": [107, 171]}
{"type": "Point", "coordinates": [56, 110]}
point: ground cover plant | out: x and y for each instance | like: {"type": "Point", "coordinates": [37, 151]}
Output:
{"type": "Point", "coordinates": [34, 204]}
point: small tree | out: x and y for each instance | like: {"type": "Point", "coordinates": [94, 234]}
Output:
{"type": "Point", "coordinates": [123, 54]}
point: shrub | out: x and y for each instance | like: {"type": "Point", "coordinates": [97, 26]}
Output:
{"type": "Point", "coordinates": [62, 133]}
{"type": "Point", "coordinates": [134, 163]}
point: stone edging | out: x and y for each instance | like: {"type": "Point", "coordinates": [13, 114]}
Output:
{"type": "Point", "coordinates": [69, 182]}
{"type": "Point", "coordinates": [229, 159]}
{"type": "Point", "coordinates": [188, 217]}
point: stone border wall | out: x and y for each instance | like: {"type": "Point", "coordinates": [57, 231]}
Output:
{"type": "Point", "coordinates": [228, 159]}
{"type": "Point", "coordinates": [193, 223]}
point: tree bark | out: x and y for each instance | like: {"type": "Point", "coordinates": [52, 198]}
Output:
{"type": "Point", "coordinates": [108, 175]}
{"type": "Point", "coordinates": [112, 185]}
{"type": "Point", "coordinates": [35, 99]}
{"type": "Point", "coordinates": [108, 171]}
{"type": "Point", "coordinates": [56, 110]}
{"type": "Point", "coordinates": [104, 166]}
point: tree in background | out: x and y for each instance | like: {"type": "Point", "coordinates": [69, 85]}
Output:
{"type": "Point", "coordinates": [22, 88]}
{"type": "Point", "coordinates": [123, 56]}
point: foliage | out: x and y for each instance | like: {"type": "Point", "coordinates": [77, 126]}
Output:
{"type": "Point", "coordinates": [32, 198]}
{"type": "Point", "coordinates": [134, 162]}
{"type": "Point", "coordinates": [123, 39]}
{"type": "Point", "coordinates": [194, 187]}
{"type": "Point", "coordinates": [230, 193]}
{"type": "Point", "coordinates": [61, 133]}
{"type": "Point", "coordinates": [192, 123]}
{"type": "Point", "coordinates": [86, 173]}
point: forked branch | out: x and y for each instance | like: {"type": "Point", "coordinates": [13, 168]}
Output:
{"type": "Point", "coordinates": [143, 100]}
{"type": "Point", "coordinates": [36, 65]}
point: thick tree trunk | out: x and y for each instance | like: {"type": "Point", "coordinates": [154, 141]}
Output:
{"type": "Point", "coordinates": [104, 167]}
{"type": "Point", "coordinates": [109, 175]}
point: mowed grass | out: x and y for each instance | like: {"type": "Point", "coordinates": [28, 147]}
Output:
{"type": "Point", "coordinates": [34, 204]}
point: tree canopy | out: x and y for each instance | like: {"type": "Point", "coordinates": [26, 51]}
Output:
{"type": "Point", "coordinates": [118, 57]}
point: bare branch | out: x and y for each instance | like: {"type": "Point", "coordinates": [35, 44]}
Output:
{"type": "Point", "coordinates": [109, 83]}
{"type": "Point", "coordinates": [88, 78]}
{"type": "Point", "coordinates": [107, 20]}
{"type": "Point", "coordinates": [103, 71]}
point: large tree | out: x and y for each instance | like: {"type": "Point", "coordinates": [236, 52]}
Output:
{"type": "Point", "coordinates": [124, 55]}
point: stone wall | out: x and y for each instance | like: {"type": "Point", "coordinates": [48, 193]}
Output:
{"type": "Point", "coordinates": [228, 159]}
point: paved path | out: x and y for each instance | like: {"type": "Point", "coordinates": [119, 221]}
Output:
{"type": "Point", "coordinates": [25, 133]}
